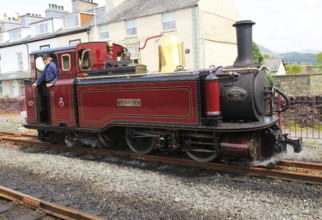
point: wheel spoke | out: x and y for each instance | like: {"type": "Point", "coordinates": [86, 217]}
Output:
{"type": "Point", "coordinates": [140, 140]}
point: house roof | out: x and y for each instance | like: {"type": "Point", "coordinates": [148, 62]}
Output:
{"type": "Point", "coordinates": [139, 8]}
{"type": "Point", "coordinates": [15, 75]}
{"type": "Point", "coordinates": [273, 64]}
{"type": "Point", "coordinates": [45, 36]}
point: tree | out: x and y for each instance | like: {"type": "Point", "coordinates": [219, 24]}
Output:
{"type": "Point", "coordinates": [257, 54]}
{"type": "Point", "coordinates": [319, 58]}
{"type": "Point", "coordinates": [294, 69]}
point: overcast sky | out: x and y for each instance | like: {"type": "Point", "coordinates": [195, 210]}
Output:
{"type": "Point", "coordinates": [284, 25]}
{"type": "Point", "coordinates": [281, 25]}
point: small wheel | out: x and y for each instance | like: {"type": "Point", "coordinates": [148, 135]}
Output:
{"type": "Point", "coordinates": [139, 140]}
{"type": "Point", "coordinates": [111, 138]}
{"type": "Point", "coordinates": [202, 157]}
{"type": "Point", "coordinates": [103, 140]}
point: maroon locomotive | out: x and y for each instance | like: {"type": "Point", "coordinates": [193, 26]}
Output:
{"type": "Point", "coordinates": [220, 112]}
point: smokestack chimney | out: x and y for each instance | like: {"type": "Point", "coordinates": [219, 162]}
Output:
{"type": "Point", "coordinates": [244, 43]}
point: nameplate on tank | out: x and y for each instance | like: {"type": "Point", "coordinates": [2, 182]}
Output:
{"type": "Point", "coordinates": [128, 102]}
{"type": "Point", "coordinates": [236, 93]}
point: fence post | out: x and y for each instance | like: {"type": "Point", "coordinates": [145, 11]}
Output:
{"type": "Point", "coordinates": [279, 105]}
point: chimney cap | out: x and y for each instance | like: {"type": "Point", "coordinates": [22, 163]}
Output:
{"type": "Point", "coordinates": [244, 22]}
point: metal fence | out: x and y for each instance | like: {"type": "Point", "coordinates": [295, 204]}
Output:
{"type": "Point", "coordinates": [303, 118]}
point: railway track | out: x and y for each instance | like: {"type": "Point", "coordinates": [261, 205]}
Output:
{"type": "Point", "coordinates": [33, 208]}
{"type": "Point", "coordinates": [287, 170]}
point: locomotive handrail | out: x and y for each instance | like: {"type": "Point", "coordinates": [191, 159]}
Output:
{"type": "Point", "coordinates": [262, 67]}
{"type": "Point", "coordinates": [286, 98]}
{"type": "Point", "coordinates": [125, 75]}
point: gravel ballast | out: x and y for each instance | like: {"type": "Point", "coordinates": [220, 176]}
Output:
{"type": "Point", "coordinates": [127, 189]}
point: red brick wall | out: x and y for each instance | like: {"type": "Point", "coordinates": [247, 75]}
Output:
{"type": "Point", "coordinates": [11, 105]}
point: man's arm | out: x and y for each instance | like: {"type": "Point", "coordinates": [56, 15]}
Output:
{"type": "Point", "coordinates": [41, 79]}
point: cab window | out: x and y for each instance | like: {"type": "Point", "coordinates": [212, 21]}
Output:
{"type": "Point", "coordinates": [85, 63]}
{"type": "Point", "coordinates": [65, 60]}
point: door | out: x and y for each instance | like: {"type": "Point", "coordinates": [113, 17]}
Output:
{"type": "Point", "coordinates": [62, 105]}
{"type": "Point", "coordinates": [30, 103]}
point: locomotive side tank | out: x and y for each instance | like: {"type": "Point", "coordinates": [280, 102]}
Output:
{"type": "Point", "coordinates": [215, 113]}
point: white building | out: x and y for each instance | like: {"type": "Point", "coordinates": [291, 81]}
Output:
{"type": "Point", "coordinates": [205, 27]}
{"type": "Point", "coordinates": [276, 66]}
{"type": "Point", "coordinates": [60, 28]}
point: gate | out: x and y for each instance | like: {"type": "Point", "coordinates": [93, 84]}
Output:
{"type": "Point", "coordinates": [303, 118]}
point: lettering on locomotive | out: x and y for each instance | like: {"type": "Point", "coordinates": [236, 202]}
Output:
{"type": "Point", "coordinates": [236, 93]}
{"type": "Point", "coordinates": [128, 102]}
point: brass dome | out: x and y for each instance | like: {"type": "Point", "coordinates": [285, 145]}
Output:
{"type": "Point", "coordinates": [171, 53]}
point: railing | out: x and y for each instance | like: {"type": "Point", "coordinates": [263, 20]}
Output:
{"type": "Point", "coordinates": [303, 118]}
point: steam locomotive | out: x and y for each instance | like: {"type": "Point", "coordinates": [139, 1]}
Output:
{"type": "Point", "coordinates": [214, 113]}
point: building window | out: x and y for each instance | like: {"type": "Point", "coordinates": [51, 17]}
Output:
{"type": "Point", "coordinates": [21, 88]}
{"type": "Point", "coordinates": [15, 35]}
{"type": "Point", "coordinates": [20, 63]}
{"type": "Point", "coordinates": [75, 42]}
{"type": "Point", "coordinates": [134, 51]}
{"type": "Point", "coordinates": [71, 21]}
{"type": "Point", "coordinates": [65, 60]}
{"type": "Point", "coordinates": [104, 34]}
{"type": "Point", "coordinates": [47, 46]}
{"type": "Point", "coordinates": [169, 21]}
{"type": "Point", "coordinates": [131, 28]}
{"type": "Point", "coordinates": [42, 28]}
{"type": "Point", "coordinates": [0, 88]}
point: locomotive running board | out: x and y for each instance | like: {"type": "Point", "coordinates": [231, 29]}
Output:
{"type": "Point", "coordinates": [223, 127]}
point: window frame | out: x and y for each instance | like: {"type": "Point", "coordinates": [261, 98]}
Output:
{"type": "Point", "coordinates": [134, 51]}
{"type": "Point", "coordinates": [21, 88]}
{"type": "Point", "coordinates": [81, 67]}
{"type": "Point", "coordinates": [107, 32]}
{"type": "Point", "coordinates": [131, 26]}
{"type": "Point", "coordinates": [69, 62]}
{"type": "Point", "coordinates": [168, 19]}
{"type": "Point", "coordinates": [15, 35]}
{"type": "Point", "coordinates": [75, 21]}
{"type": "Point", "coordinates": [20, 61]}
{"type": "Point", "coordinates": [1, 88]}
{"type": "Point", "coordinates": [40, 26]}
{"type": "Point", "coordinates": [46, 46]}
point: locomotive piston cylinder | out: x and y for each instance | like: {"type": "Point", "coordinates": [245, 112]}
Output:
{"type": "Point", "coordinates": [238, 146]}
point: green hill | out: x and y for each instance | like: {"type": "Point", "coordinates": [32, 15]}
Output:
{"type": "Point", "coordinates": [298, 58]}
{"type": "Point", "coordinates": [293, 58]}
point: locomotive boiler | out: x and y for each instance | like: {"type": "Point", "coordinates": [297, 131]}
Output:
{"type": "Point", "coordinates": [215, 113]}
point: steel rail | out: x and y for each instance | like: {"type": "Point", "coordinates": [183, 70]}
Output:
{"type": "Point", "coordinates": [249, 170]}
{"type": "Point", "coordinates": [300, 164]}
{"type": "Point", "coordinates": [47, 207]}
{"type": "Point", "coordinates": [18, 134]}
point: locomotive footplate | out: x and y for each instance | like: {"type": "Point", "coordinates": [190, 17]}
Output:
{"type": "Point", "coordinates": [223, 127]}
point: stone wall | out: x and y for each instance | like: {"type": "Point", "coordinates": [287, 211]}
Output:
{"type": "Point", "coordinates": [300, 85]}
{"type": "Point", "coordinates": [11, 105]}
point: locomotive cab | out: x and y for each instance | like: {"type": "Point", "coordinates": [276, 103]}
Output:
{"type": "Point", "coordinates": [55, 106]}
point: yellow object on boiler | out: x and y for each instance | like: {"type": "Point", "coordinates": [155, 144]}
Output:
{"type": "Point", "coordinates": [171, 53]}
